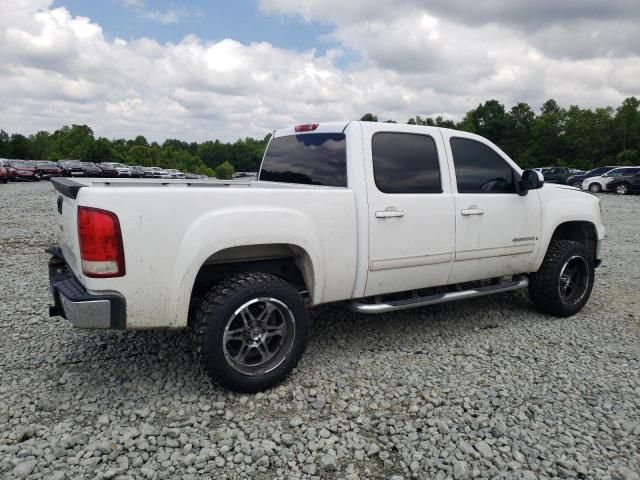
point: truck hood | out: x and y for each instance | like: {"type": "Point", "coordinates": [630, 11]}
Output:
{"type": "Point", "coordinates": [558, 186]}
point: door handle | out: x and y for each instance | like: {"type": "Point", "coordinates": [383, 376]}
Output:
{"type": "Point", "coordinates": [472, 210]}
{"type": "Point", "coordinates": [389, 214]}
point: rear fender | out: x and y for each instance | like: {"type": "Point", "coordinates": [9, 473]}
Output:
{"type": "Point", "coordinates": [243, 228]}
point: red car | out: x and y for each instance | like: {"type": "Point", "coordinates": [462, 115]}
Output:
{"type": "Point", "coordinates": [21, 170]}
{"type": "Point", "coordinates": [46, 169]}
{"type": "Point", "coordinates": [4, 173]}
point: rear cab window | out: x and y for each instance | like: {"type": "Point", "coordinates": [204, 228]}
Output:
{"type": "Point", "coordinates": [307, 159]}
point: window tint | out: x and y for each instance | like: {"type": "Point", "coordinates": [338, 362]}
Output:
{"type": "Point", "coordinates": [405, 163]}
{"type": "Point", "coordinates": [312, 159]}
{"type": "Point", "coordinates": [479, 169]}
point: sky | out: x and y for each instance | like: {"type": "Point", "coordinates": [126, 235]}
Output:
{"type": "Point", "coordinates": [205, 69]}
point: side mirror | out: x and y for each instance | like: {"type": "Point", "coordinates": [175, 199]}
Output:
{"type": "Point", "coordinates": [530, 180]}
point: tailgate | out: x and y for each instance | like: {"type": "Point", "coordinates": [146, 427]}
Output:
{"type": "Point", "coordinates": [66, 214]}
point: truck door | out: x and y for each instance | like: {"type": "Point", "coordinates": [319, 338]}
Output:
{"type": "Point", "coordinates": [497, 230]}
{"type": "Point", "coordinates": [411, 217]}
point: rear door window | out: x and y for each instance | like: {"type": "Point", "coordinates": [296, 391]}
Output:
{"type": "Point", "coordinates": [405, 163]}
{"type": "Point", "coordinates": [310, 159]}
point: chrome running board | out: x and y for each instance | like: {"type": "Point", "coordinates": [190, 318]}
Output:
{"type": "Point", "coordinates": [395, 305]}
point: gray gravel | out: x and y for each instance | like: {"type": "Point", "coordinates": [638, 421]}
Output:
{"type": "Point", "coordinates": [487, 388]}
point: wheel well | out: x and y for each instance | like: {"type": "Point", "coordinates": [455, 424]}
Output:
{"type": "Point", "coordinates": [286, 261]}
{"type": "Point", "coordinates": [615, 183]}
{"type": "Point", "coordinates": [579, 231]}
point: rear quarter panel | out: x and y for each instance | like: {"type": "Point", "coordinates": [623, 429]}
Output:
{"type": "Point", "coordinates": [169, 232]}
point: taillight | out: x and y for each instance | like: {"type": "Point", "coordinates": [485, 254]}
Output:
{"type": "Point", "coordinates": [101, 247]}
{"type": "Point", "coordinates": [309, 127]}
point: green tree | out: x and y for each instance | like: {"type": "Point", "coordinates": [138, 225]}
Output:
{"type": "Point", "coordinates": [629, 157]}
{"type": "Point", "coordinates": [224, 171]}
{"type": "Point", "coordinates": [369, 117]}
{"type": "Point", "coordinates": [488, 119]}
{"type": "Point", "coordinates": [19, 147]}
{"type": "Point", "coordinates": [5, 144]}
{"type": "Point", "coordinates": [627, 124]}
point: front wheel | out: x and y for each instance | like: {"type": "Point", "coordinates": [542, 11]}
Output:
{"type": "Point", "coordinates": [577, 185]}
{"type": "Point", "coordinates": [595, 188]}
{"type": "Point", "coordinates": [250, 331]}
{"type": "Point", "coordinates": [622, 189]}
{"type": "Point", "coordinates": [564, 282]}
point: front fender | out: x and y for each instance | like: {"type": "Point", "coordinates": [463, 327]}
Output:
{"type": "Point", "coordinates": [561, 205]}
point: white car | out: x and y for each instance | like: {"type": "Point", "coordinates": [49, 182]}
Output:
{"type": "Point", "coordinates": [173, 173]}
{"type": "Point", "coordinates": [384, 216]}
{"type": "Point", "coordinates": [599, 184]}
{"type": "Point", "coordinates": [158, 172]}
{"type": "Point", "coordinates": [123, 170]}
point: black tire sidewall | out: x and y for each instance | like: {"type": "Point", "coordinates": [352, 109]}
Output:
{"type": "Point", "coordinates": [543, 286]}
{"type": "Point", "coordinates": [213, 316]}
{"type": "Point", "coordinates": [621, 185]}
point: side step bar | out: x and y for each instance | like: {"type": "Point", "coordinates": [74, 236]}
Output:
{"type": "Point", "coordinates": [392, 306]}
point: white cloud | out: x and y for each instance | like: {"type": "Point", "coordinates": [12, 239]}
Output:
{"type": "Point", "coordinates": [131, 3]}
{"type": "Point", "coordinates": [166, 17]}
{"type": "Point", "coordinates": [58, 69]}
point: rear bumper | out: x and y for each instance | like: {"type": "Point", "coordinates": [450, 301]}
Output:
{"type": "Point", "coordinates": [81, 308]}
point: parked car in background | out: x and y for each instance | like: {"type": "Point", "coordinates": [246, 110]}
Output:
{"type": "Point", "coordinates": [108, 170]}
{"type": "Point", "coordinates": [556, 175]}
{"type": "Point", "coordinates": [91, 169]}
{"type": "Point", "coordinates": [21, 170]}
{"type": "Point", "coordinates": [159, 172]}
{"type": "Point", "coordinates": [576, 179]}
{"type": "Point", "coordinates": [541, 169]}
{"type": "Point", "coordinates": [4, 174]}
{"type": "Point", "coordinates": [137, 171]}
{"type": "Point", "coordinates": [175, 173]}
{"type": "Point", "coordinates": [46, 169]}
{"type": "Point", "coordinates": [599, 184]}
{"type": "Point", "coordinates": [149, 173]}
{"type": "Point", "coordinates": [71, 168]}
{"type": "Point", "coordinates": [245, 175]}
{"type": "Point", "coordinates": [625, 184]}
{"type": "Point", "coordinates": [123, 170]}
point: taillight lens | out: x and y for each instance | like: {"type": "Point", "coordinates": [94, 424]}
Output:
{"type": "Point", "coordinates": [101, 247]}
{"type": "Point", "coordinates": [309, 127]}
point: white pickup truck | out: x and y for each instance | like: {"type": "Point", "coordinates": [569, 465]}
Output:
{"type": "Point", "coordinates": [386, 216]}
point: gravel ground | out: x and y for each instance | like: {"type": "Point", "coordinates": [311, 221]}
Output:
{"type": "Point", "coordinates": [485, 388]}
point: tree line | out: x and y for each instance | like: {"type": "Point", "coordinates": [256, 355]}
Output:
{"type": "Point", "coordinates": [574, 137]}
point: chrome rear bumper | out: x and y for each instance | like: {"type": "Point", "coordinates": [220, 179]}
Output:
{"type": "Point", "coordinates": [81, 308]}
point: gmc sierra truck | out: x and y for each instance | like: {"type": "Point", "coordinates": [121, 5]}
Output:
{"type": "Point", "coordinates": [384, 216]}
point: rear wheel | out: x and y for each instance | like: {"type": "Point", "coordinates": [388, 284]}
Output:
{"type": "Point", "coordinates": [577, 185]}
{"type": "Point", "coordinates": [250, 331]}
{"type": "Point", "coordinates": [595, 188]}
{"type": "Point", "coordinates": [622, 189]}
{"type": "Point", "coordinates": [564, 282]}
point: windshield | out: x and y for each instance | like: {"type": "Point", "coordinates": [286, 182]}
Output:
{"type": "Point", "coordinates": [87, 164]}
{"type": "Point", "coordinates": [21, 163]}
